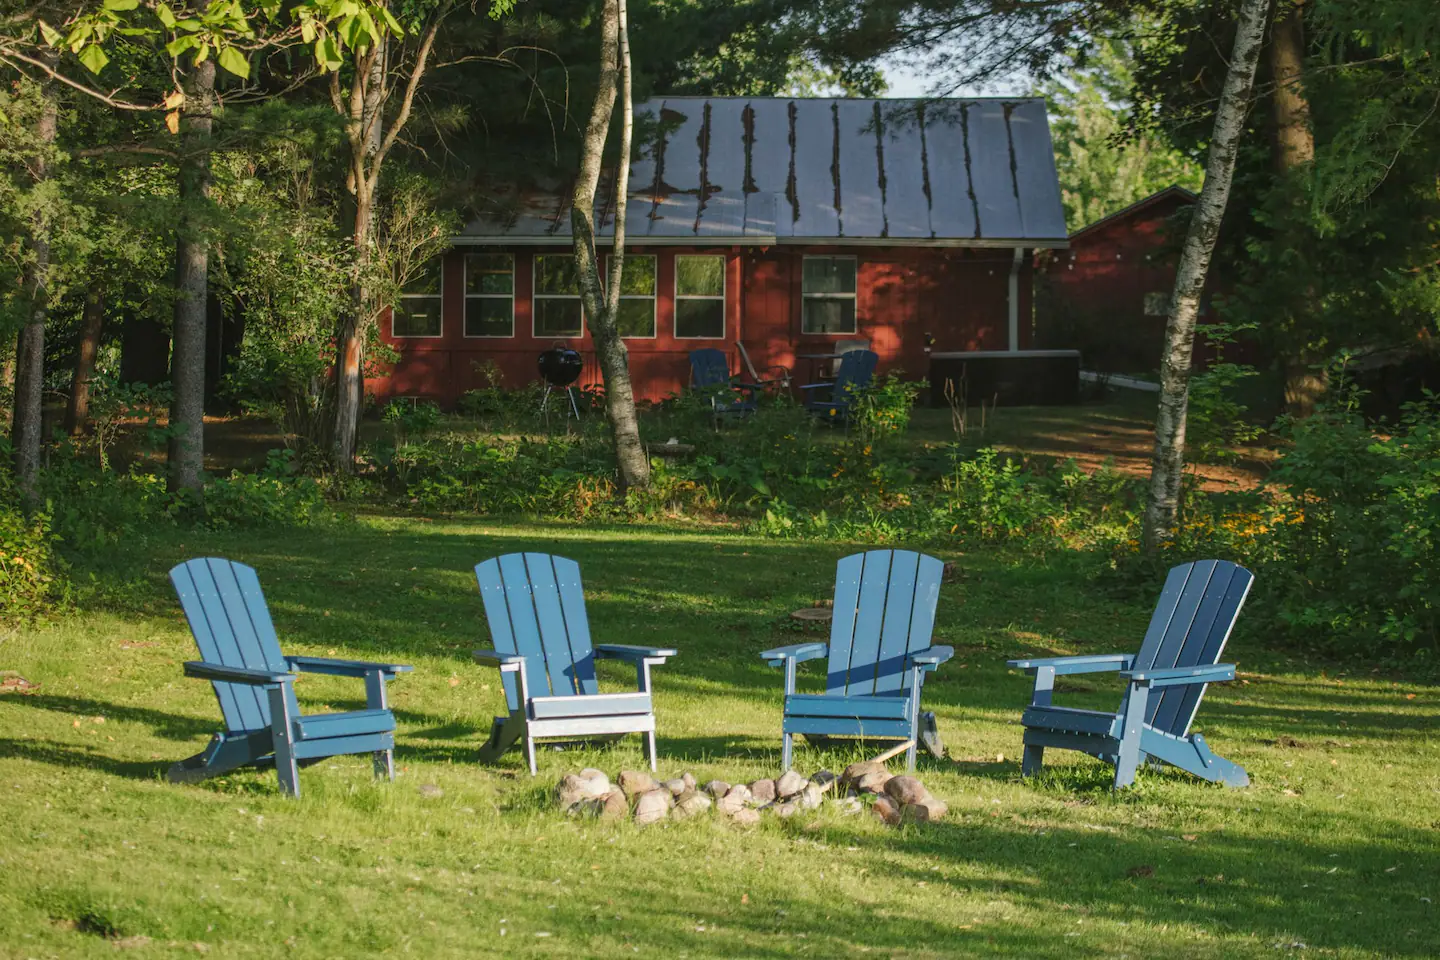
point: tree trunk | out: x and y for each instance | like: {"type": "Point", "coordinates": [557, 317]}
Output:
{"type": "Point", "coordinates": [1294, 148]}
{"type": "Point", "coordinates": [363, 178]}
{"type": "Point", "coordinates": [1168, 464]}
{"type": "Point", "coordinates": [602, 301]}
{"type": "Point", "coordinates": [91, 326]}
{"type": "Point", "coordinates": [192, 263]}
{"type": "Point", "coordinates": [30, 348]}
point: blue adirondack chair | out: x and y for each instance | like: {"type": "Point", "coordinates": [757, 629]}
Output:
{"type": "Point", "coordinates": [1179, 656]}
{"type": "Point", "coordinates": [254, 683]}
{"type": "Point", "coordinates": [710, 375]}
{"type": "Point", "coordinates": [535, 606]}
{"type": "Point", "coordinates": [879, 652]}
{"type": "Point", "coordinates": [857, 369]}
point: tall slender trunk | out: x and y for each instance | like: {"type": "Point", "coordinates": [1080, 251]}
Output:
{"type": "Point", "coordinates": [1168, 464]}
{"type": "Point", "coordinates": [30, 347]}
{"type": "Point", "coordinates": [367, 111]}
{"type": "Point", "coordinates": [192, 265]}
{"type": "Point", "coordinates": [1294, 150]}
{"type": "Point", "coordinates": [91, 326]}
{"type": "Point", "coordinates": [601, 300]}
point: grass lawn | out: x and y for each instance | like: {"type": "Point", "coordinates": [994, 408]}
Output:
{"type": "Point", "coordinates": [1332, 852]}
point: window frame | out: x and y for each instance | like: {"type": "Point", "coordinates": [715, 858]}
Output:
{"type": "Point", "coordinates": [536, 296]}
{"type": "Point", "coordinates": [654, 297]}
{"type": "Point", "coordinates": [465, 278]}
{"type": "Point", "coordinates": [853, 296]}
{"type": "Point", "coordinates": [677, 296]}
{"type": "Point", "coordinates": [438, 295]}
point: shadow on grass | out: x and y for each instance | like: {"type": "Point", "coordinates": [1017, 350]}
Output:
{"type": "Point", "coordinates": [67, 755]}
{"type": "Point", "coordinates": [167, 725]}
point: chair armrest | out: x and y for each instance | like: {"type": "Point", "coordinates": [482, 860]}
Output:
{"type": "Point", "coordinates": [930, 658]}
{"type": "Point", "coordinates": [507, 662]}
{"type": "Point", "coordinates": [345, 668]}
{"type": "Point", "coordinates": [1181, 676]}
{"type": "Point", "coordinates": [799, 652]}
{"type": "Point", "coordinates": [1099, 663]}
{"type": "Point", "coordinates": [620, 651]}
{"type": "Point", "coordinates": [218, 671]}
{"type": "Point", "coordinates": [815, 386]}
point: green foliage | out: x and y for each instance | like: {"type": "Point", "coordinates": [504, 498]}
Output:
{"type": "Point", "coordinates": [32, 577]}
{"type": "Point", "coordinates": [411, 418]}
{"type": "Point", "coordinates": [883, 408]}
{"type": "Point", "coordinates": [1103, 168]}
{"type": "Point", "coordinates": [1215, 421]}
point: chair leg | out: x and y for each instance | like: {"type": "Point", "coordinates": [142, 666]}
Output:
{"type": "Point", "coordinates": [786, 751]}
{"type": "Point", "coordinates": [650, 748]}
{"type": "Point", "coordinates": [1032, 759]}
{"type": "Point", "coordinates": [910, 756]}
{"type": "Point", "coordinates": [1127, 759]}
{"type": "Point", "coordinates": [530, 753]}
{"type": "Point", "coordinates": [385, 763]}
{"type": "Point", "coordinates": [504, 733]}
{"type": "Point", "coordinates": [282, 729]}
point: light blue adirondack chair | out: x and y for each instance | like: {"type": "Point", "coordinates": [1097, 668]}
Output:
{"type": "Point", "coordinates": [1179, 656]}
{"type": "Point", "coordinates": [879, 651]}
{"type": "Point", "coordinates": [535, 606]}
{"type": "Point", "coordinates": [254, 683]}
{"type": "Point", "coordinates": [856, 370]}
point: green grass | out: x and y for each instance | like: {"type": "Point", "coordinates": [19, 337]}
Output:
{"type": "Point", "coordinates": [1334, 847]}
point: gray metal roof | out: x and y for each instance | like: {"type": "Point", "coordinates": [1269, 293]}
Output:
{"type": "Point", "coordinates": [757, 170]}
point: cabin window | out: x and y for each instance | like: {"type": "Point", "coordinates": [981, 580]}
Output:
{"type": "Point", "coordinates": [489, 295]}
{"type": "Point", "coordinates": [699, 297]}
{"type": "Point", "coordinates": [557, 297]}
{"type": "Point", "coordinates": [418, 312]}
{"type": "Point", "coordinates": [827, 295]}
{"type": "Point", "coordinates": [1157, 304]}
{"type": "Point", "coordinates": [636, 314]}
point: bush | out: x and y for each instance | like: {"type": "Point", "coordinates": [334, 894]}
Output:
{"type": "Point", "coordinates": [32, 576]}
{"type": "Point", "coordinates": [883, 408]}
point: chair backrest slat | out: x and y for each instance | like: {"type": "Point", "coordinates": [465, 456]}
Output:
{"type": "Point", "coordinates": [572, 605]}
{"type": "Point", "coordinates": [855, 372]}
{"type": "Point", "coordinates": [231, 624]}
{"type": "Point", "coordinates": [895, 628]}
{"type": "Point", "coordinates": [708, 368]}
{"type": "Point", "coordinates": [884, 608]}
{"type": "Point", "coordinates": [842, 620]}
{"type": "Point", "coordinates": [1174, 710]}
{"type": "Point", "coordinates": [535, 606]}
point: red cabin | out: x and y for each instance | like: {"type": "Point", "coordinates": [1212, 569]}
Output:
{"type": "Point", "coordinates": [787, 225]}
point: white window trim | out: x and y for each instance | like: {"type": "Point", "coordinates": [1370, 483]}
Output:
{"type": "Point", "coordinates": [536, 297]}
{"type": "Point", "coordinates": [439, 295]}
{"type": "Point", "coordinates": [676, 298]}
{"type": "Point", "coordinates": [654, 298]}
{"type": "Point", "coordinates": [829, 296]}
{"type": "Point", "coordinates": [465, 270]}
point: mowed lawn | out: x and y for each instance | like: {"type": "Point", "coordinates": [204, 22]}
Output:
{"type": "Point", "coordinates": [1332, 852]}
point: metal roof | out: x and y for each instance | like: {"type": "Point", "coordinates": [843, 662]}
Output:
{"type": "Point", "coordinates": [758, 170]}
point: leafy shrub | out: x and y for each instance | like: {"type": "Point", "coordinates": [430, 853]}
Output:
{"type": "Point", "coordinates": [32, 577]}
{"type": "Point", "coordinates": [411, 418]}
{"type": "Point", "coordinates": [1215, 422]}
{"type": "Point", "coordinates": [884, 407]}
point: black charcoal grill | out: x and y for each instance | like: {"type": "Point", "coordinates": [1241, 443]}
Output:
{"type": "Point", "coordinates": [560, 367]}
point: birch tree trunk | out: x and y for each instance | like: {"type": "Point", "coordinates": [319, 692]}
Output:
{"type": "Point", "coordinates": [1294, 154]}
{"type": "Point", "coordinates": [91, 327]}
{"type": "Point", "coordinates": [30, 346]}
{"type": "Point", "coordinates": [186, 452]}
{"type": "Point", "coordinates": [1168, 464]}
{"type": "Point", "coordinates": [602, 300]}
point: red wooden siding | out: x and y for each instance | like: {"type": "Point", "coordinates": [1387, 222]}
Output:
{"type": "Point", "coordinates": [958, 296]}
